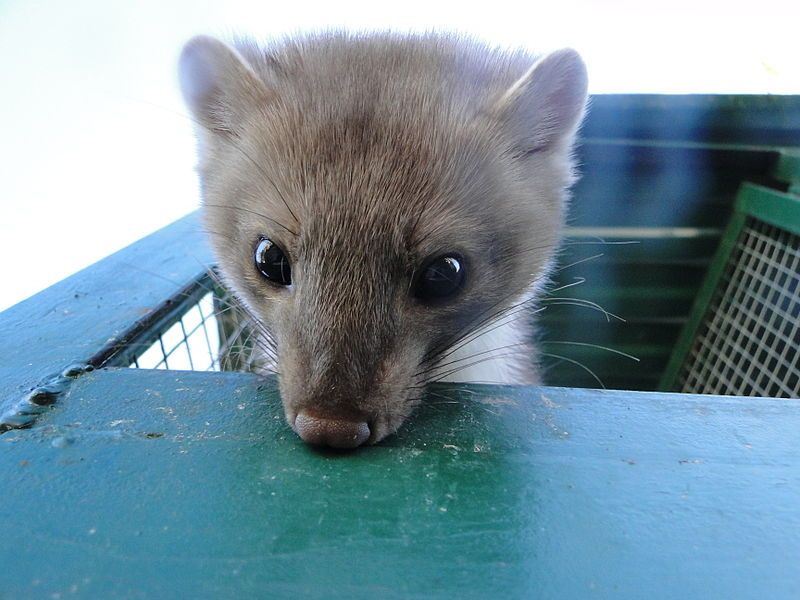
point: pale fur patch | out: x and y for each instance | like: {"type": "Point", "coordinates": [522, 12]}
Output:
{"type": "Point", "coordinates": [500, 352]}
{"type": "Point", "coordinates": [491, 357]}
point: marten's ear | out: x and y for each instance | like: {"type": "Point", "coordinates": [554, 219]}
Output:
{"type": "Point", "coordinates": [218, 85]}
{"type": "Point", "coordinates": [545, 106]}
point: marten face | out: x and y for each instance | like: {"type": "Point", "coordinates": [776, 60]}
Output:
{"type": "Point", "coordinates": [374, 202]}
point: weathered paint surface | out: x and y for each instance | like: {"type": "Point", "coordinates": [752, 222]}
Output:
{"type": "Point", "coordinates": [160, 484]}
{"type": "Point", "coordinates": [75, 319]}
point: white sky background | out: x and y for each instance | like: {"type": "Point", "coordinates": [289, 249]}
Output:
{"type": "Point", "coordinates": [96, 151]}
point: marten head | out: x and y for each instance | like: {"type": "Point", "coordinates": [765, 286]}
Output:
{"type": "Point", "coordinates": [374, 200]}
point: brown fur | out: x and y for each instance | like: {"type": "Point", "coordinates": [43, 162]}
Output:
{"type": "Point", "coordinates": [361, 156]}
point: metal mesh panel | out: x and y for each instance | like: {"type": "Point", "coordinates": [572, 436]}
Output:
{"type": "Point", "coordinates": [191, 343]}
{"type": "Point", "coordinates": [208, 335]}
{"type": "Point", "coordinates": [749, 341]}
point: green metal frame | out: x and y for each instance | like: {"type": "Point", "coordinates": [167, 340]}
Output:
{"type": "Point", "coordinates": [770, 206]}
{"type": "Point", "coordinates": [788, 170]}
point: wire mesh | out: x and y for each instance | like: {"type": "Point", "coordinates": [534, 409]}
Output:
{"type": "Point", "coordinates": [209, 334]}
{"type": "Point", "coordinates": [749, 341]}
{"type": "Point", "coordinates": [191, 343]}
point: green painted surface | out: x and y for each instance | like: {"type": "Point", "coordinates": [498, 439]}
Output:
{"type": "Point", "coordinates": [788, 169]}
{"type": "Point", "coordinates": [775, 208]}
{"type": "Point", "coordinates": [88, 315]}
{"type": "Point", "coordinates": [155, 484]}
{"type": "Point", "coordinates": [730, 120]}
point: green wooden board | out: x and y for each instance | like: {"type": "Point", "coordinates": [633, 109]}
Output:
{"type": "Point", "coordinates": [157, 484]}
{"type": "Point", "coordinates": [89, 316]}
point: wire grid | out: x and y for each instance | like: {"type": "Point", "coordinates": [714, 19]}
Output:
{"type": "Point", "coordinates": [749, 342]}
{"type": "Point", "coordinates": [209, 336]}
{"type": "Point", "coordinates": [191, 343]}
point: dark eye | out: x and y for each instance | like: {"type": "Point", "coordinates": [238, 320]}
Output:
{"type": "Point", "coordinates": [272, 263]}
{"type": "Point", "coordinates": [441, 278]}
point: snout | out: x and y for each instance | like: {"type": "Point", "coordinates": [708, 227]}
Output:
{"type": "Point", "coordinates": [335, 432]}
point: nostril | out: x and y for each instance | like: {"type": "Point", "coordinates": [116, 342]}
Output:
{"type": "Point", "coordinates": [333, 432]}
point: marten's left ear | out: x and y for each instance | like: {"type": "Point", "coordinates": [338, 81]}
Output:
{"type": "Point", "coordinates": [545, 106]}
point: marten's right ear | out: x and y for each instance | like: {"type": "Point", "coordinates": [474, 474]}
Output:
{"type": "Point", "coordinates": [218, 85]}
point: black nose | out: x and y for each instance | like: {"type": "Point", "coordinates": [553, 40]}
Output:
{"type": "Point", "coordinates": [331, 431]}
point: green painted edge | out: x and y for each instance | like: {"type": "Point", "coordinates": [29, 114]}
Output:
{"type": "Point", "coordinates": [90, 316]}
{"type": "Point", "coordinates": [770, 206]}
{"type": "Point", "coordinates": [787, 169]}
{"type": "Point", "coordinates": [698, 310]}
{"type": "Point", "coordinates": [779, 209]}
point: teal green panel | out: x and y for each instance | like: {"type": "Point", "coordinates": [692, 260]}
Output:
{"type": "Point", "coordinates": [788, 169]}
{"type": "Point", "coordinates": [154, 484]}
{"type": "Point", "coordinates": [633, 184]}
{"type": "Point", "coordinates": [776, 208]}
{"type": "Point", "coordinates": [735, 120]}
{"type": "Point", "coordinates": [89, 315]}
